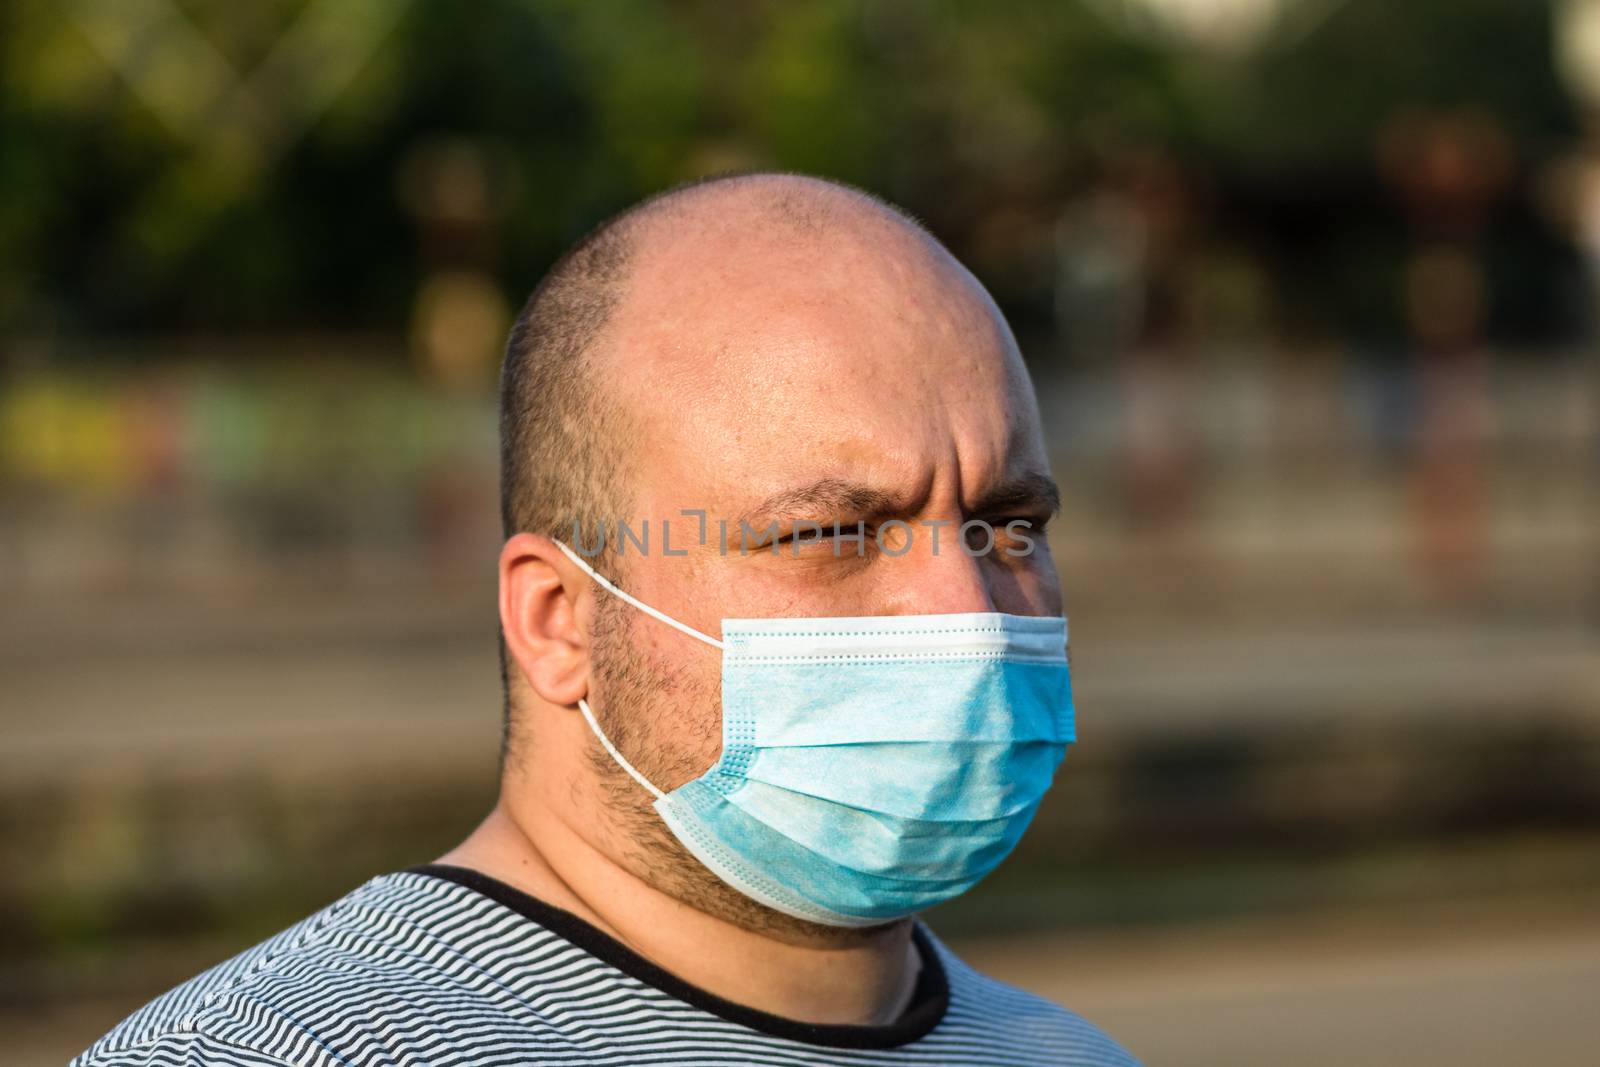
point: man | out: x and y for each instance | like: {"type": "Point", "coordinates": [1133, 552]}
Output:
{"type": "Point", "coordinates": [739, 415]}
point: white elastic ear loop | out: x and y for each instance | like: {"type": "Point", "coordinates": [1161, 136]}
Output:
{"type": "Point", "coordinates": [583, 706]}
{"type": "Point", "coordinates": [601, 581]}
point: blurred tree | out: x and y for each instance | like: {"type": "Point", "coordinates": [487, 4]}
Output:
{"type": "Point", "coordinates": [195, 164]}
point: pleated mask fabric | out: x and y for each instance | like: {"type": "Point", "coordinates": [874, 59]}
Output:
{"type": "Point", "coordinates": [871, 766]}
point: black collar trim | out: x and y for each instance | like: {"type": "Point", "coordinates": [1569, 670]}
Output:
{"type": "Point", "coordinates": [929, 1000]}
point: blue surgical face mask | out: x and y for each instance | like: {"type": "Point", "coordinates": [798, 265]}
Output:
{"type": "Point", "coordinates": [873, 766]}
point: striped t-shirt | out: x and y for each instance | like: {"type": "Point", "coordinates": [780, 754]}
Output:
{"type": "Point", "coordinates": [442, 965]}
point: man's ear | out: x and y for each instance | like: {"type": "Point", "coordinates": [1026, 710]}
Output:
{"type": "Point", "coordinates": [540, 597]}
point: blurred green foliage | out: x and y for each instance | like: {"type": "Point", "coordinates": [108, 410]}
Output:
{"type": "Point", "coordinates": [204, 165]}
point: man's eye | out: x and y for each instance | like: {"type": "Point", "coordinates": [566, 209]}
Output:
{"type": "Point", "coordinates": [813, 539]}
{"type": "Point", "coordinates": [807, 533]}
{"type": "Point", "coordinates": [1018, 535]}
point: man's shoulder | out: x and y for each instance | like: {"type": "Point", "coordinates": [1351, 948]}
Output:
{"type": "Point", "coordinates": [1023, 1022]}
{"type": "Point", "coordinates": [252, 1009]}
{"type": "Point", "coordinates": [408, 961]}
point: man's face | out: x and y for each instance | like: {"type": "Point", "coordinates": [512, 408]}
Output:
{"type": "Point", "coordinates": [779, 384]}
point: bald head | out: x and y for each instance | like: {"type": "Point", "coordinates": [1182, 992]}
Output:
{"type": "Point", "coordinates": [770, 348]}
{"type": "Point", "coordinates": [779, 355]}
{"type": "Point", "coordinates": [560, 427]}
{"type": "Point", "coordinates": [563, 422]}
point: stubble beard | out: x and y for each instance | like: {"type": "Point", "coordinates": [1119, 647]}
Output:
{"type": "Point", "coordinates": [666, 720]}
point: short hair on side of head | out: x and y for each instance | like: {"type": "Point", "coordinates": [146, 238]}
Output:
{"type": "Point", "coordinates": [562, 467]}
{"type": "Point", "coordinates": [558, 432]}
{"type": "Point", "coordinates": [550, 409]}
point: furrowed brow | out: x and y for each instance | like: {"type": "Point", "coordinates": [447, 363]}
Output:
{"type": "Point", "coordinates": [823, 498]}
{"type": "Point", "coordinates": [1025, 492]}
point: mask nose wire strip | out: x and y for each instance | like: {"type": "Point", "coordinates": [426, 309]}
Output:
{"type": "Point", "coordinates": [583, 706]}
{"type": "Point", "coordinates": [635, 601]}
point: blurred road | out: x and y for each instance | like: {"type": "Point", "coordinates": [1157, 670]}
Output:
{"type": "Point", "coordinates": [1469, 986]}
{"type": "Point", "coordinates": [366, 681]}
{"type": "Point", "coordinates": [1466, 985]}
{"type": "Point", "coordinates": [254, 741]}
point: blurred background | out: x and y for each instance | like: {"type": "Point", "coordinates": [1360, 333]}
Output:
{"type": "Point", "coordinates": [1309, 291]}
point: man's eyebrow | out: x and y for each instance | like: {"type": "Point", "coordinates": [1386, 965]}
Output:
{"type": "Point", "coordinates": [824, 498]}
{"type": "Point", "coordinates": [1021, 493]}
{"type": "Point", "coordinates": [835, 497]}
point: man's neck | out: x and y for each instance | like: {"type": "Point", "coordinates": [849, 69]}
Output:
{"type": "Point", "coordinates": [870, 981]}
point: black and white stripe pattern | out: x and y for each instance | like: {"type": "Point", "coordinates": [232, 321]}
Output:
{"type": "Point", "coordinates": [442, 966]}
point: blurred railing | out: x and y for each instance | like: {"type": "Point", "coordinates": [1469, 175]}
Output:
{"type": "Point", "coordinates": [218, 467]}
